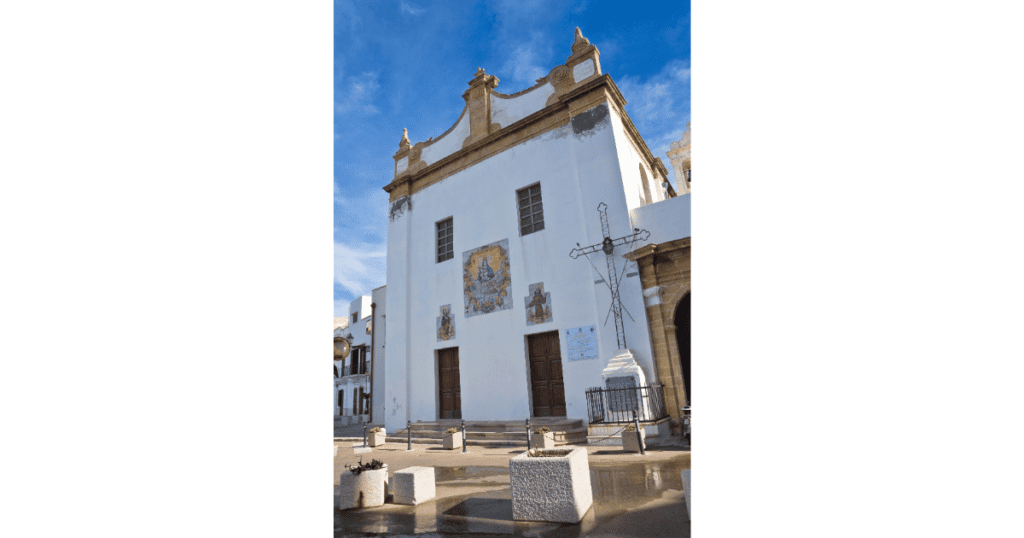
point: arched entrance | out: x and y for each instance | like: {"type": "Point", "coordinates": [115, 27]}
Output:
{"type": "Point", "coordinates": [682, 323]}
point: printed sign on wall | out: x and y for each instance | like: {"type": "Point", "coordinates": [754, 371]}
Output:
{"type": "Point", "coordinates": [581, 343]}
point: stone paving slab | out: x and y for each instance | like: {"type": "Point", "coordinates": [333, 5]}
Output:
{"type": "Point", "coordinates": [634, 495]}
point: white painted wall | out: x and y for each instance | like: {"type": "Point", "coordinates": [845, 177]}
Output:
{"type": "Point", "coordinates": [379, 371]}
{"type": "Point", "coordinates": [506, 111]}
{"type": "Point", "coordinates": [447, 144]}
{"type": "Point", "coordinates": [667, 221]}
{"type": "Point", "coordinates": [576, 173]}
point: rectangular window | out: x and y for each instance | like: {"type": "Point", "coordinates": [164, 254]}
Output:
{"type": "Point", "coordinates": [444, 240]}
{"type": "Point", "coordinates": [355, 317]}
{"type": "Point", "coordinates": [531, 211]}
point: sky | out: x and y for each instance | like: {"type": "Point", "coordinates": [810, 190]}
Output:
{"type": "Point", "coordinates": [404, 64]}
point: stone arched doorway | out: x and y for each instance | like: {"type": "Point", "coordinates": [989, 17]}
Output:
{"type": "Point", "coordinates": [682, 323]}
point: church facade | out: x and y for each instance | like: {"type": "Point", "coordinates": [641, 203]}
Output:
{"type": "Point", "coordinates": [490, 317]}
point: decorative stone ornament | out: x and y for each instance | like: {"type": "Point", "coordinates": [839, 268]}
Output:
{"type": "Point", "coordinates": [550, 485]}
{"type": "Point", "coordinates": [377, 438]}
{"type": "Point", "coordinates": [363, 490]}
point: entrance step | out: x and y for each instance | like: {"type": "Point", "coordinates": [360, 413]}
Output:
{"type": "Point", "coordinates": [495, 433]}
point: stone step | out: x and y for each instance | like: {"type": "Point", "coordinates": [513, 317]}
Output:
{"type": "Point", "coordinates": [571, 436]}
{"type": "Point", "coordinates": [555, 424]}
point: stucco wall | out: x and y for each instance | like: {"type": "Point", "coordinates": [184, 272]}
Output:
{"type": "Point", "coordinates": [506, 111]}
{"type": "Point", "coordinates": [448, 143]}
{"type": "Point", "coordinates": [667, 220]}
{"type": "Point", "coordinates": [379, 339]}
{"type": "Point", "coordinates": [578, 167]}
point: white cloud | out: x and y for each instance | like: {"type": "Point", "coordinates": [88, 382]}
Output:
{"type": "Point", "coordinates": [524, 64]}
{"type": "Point", "coordinates": [411, 9]}
{"type": "Point", "coordinates": [357, 94]}
{"type": "Point", "coordinates": [359, 268]}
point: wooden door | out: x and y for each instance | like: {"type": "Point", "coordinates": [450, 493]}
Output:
{"type": "Point", "coordinates": [448, 375]}
{"type": "Point", "coordinates": [546, 375]}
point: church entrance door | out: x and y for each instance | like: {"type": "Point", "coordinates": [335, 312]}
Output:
{"type": "Point", "coordinates": [546, 375]}
{"type": "Point", "coordinates": [448, 376]}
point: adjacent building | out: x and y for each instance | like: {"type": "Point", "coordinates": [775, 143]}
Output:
{"type": "Point", "coordinates": [354, 375]}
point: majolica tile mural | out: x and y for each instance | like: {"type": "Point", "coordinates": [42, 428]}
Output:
{"type": "Point", "coordinates": [445, 324]}
{"type": "Point", "coordinates": [487, 279]}
{"type": "Point", "coordinates": [538, 305]}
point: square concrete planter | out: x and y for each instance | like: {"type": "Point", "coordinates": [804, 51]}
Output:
{"type": "Point", "coordinates": [376, 439]}
{"type": "Point", "coordinates": [363, 490]}
{"type": "Point", "coordinates": [453, 440]}
{"type": "Point", "coordinates": [629, 442]}
{"type": "Point", "coordinates": [545, 440]}
{"type": "Point", "coordinates": [686, 490]}
{"type": "Point", "coordinates": [550, 485]}
{"type": "Point", "coordinates": [413, 485]}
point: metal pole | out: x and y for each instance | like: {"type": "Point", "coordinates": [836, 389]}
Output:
{"type": "Point", "coordinates": [364, 434]}
{"type": "Point", "coordinates": [528, 447]}
{"type": "Point", "coordinates": [408, 433]}
{"type": "Point", "coordinates": [463, 436]}
{"type": "Point", "coordinates": [639, 440]}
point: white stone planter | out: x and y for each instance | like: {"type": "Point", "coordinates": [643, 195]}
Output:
{"type": "Point", "coordinates": [376, 439]}
{"type": "Point", "coordinates": [453, 440]}
{"type": "Point", "coordinates": [363, 490]}
{"type": "Point", "coordinates": [545, 440]}
{"type": "Point", "coordinates": [629, 442]}
{"type": "Point", "coordinates": [550, 485]}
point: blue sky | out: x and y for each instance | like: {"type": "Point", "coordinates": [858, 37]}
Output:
{"type": "Point", "coordinates": [404, 64]}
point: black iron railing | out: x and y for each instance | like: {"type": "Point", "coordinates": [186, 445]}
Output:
{"type": "Point", "coordinates": [615, 406]}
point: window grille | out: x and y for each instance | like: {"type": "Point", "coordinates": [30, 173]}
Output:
{"type": "Point", "coordinates": [531, 210]}
{"type": "Point", "coordinates": [444, 240]}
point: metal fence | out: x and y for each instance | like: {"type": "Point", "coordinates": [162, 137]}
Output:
{"type": "Point", "coordinates": [615, 406]}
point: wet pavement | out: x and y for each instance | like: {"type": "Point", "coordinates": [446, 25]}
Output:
{"type": "Point", "coordinates": [634, 495]}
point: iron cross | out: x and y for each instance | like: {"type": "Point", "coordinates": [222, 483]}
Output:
{"type": "Point", "coordinates": [608, 246]}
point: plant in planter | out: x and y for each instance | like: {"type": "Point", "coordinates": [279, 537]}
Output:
{"type": "Point", "coordinates": [550, 485]}
{"type": "Point", "coordinates": [452, 438]}
{"type": "Point", "coordinates": [363, 485]}
{"type": "Point", "coordinates": [545, 437]}
{"type": "Point", "coordinates": [377, 435]}
{"type": "Point", "coordinates": [629, 440]}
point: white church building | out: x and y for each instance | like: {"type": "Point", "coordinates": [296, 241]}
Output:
{"type": "Point", "coordinates": [500, 290]}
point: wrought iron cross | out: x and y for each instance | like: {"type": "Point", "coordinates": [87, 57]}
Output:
{"type": "Point", "coordinates": [608, 246]}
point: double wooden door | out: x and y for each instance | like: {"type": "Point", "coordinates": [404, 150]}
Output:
{"type": "Point", "coordinates": [448, 375]}
{"type": "Point", "coordinates": [546, 375]}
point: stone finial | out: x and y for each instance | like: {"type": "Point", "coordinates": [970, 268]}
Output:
{"type": "Point", "coordinates": [581, 43]}
{"type": "Point", "coordinates": [404, 142]}
{"type": "Point", "coordinates": [483, 79]}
